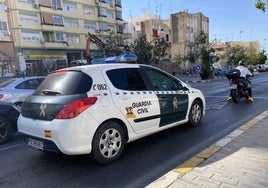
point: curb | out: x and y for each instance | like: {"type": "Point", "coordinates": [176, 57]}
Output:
{"type": "Point", "coordinates": [176, 173]}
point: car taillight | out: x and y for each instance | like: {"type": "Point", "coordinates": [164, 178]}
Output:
{"type": "Point", "coordinates": [75, 108]}
{"type": "Point", "coordinates": [1, 96]}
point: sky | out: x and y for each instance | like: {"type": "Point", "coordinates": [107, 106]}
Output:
{"type": "Point", "coordinates": [229, 20]}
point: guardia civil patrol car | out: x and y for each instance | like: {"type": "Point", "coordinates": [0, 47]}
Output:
{"type": "Point", "coordinates": [97, 109]}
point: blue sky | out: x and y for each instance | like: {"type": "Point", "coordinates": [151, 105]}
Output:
{"type": "Point", "coordinates": [236, 20]}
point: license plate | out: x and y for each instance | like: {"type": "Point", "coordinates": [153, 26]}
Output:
{"type": "Point", "coordinates": [35, 143]}
{"type": "Point", "coordinates": [233, 86]}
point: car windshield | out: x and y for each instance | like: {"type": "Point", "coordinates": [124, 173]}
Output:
{"type": "Point", "coordinates": [65, 83]}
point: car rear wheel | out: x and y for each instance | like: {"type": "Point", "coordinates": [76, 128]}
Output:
{"type": "Point", "coordinates": [108, 143]}
{"type": "Point", "coordinates": [4, 130]}
{"type": "Point", "coordinates": [196, 113]}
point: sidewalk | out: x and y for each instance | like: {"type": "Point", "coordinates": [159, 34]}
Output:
{"type": "Point", "coordinates": [238, 160]}
{"type": "Point", "coordinates": [196, 78]}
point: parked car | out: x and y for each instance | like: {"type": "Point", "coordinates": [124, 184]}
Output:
{"type": "Point", "coordinates": [97, 109]}
{"type": "Point", "coordinates": [9, 114]}
{"type": "Point", "coordinates": [16, 90]}
{"type": "Point", "coordinates": [219, 72]}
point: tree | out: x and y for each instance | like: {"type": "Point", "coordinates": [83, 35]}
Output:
{"type": "Point", "coordinates": [261, 58]}
{"type": "Point", "coordinates": [142, 49]}
{"type": "Point", "coordinates": [113, 46]}
{"type": "Point", "coordinates": [204, 54]}
{"type": "Point", "coordinates": [159, 48]}
{"type": "Point", "coordinates": [261, 5]}
{"type": "Point", "coordinates": [251, 55]}
{"type": "Point", "coordinates": [235, 53]}
{"type": "Point", "coordinates": [206, 67]}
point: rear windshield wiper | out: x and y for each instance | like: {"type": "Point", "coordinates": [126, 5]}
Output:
{"type": "Point", "coordinates": [50, 92]}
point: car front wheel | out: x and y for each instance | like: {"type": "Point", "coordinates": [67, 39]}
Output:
{"type": "Point", "coordinates": [108, 143]}
{"type": "Point", "coordinates": [4, 130]}
{"type": "Point", "coordinates": [196, 113]}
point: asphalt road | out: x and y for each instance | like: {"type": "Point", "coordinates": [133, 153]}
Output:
{"type": "Point", "coordinates": [144, 160]}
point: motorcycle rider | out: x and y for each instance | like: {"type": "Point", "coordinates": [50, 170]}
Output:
{"type": "Point", "coordinates": [244, 71]}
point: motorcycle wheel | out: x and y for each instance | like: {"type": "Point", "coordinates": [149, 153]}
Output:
{"type": "Point", "coordinates": [235, 95]}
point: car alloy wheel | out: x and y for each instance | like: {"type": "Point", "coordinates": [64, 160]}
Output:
{"type": "Point", "coordinates": [108, 143]}
{"type": "Point", "coordinates": [195, 114]}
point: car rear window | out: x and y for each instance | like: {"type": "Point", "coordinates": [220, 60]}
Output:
{"type": "Point", "coordinates": [65, 83]}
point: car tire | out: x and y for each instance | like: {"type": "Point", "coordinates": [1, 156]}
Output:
{"type": "Point", "coordinates": [195, 113]}
{"type": "Point", "coordinates": [4, 129]}
{"type": "Point", "coordinates": [108, 143]}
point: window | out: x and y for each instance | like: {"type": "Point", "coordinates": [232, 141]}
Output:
{"type": "Point", "coordinates": [69, 8]}
{"type": "Point", "coordinates": [119, 15]}
{"type": "Point", "coordinates": [73, 40]}
{"type": "Point", "coordinates": [127, 79]}
{"type": "Point", "coordinates": [58, 20]}
{"type": "Point", "coordinates": [120, 28]}
{"type": "Point", "coordinates": [67, 83]}
{"type": "Point", "coordinates": [71, 23]}
{"type": "Point", "coordinates": [109, 14]}
{"type": "Point", "coordinates": [102, 12]}
{"type": "Point", "coordinates": [31, 37]}
{"type": "Point", "coordinates": [162, 81]}
{"type": "Point", "coordinates": [108, 2]}
{"type": "Point", "coordinates": [28, 19]}
{"type": "Point", "coordinates": [56, 4]}
{"type": "Point", "coordinates": [29, 84]}
{"type": "Point", "coordinates": [103, 26]}
{"type": "Point", "coordinates": [2, 7]}
{"type": "Point", "coordinates": [27, 1]}
{"type": "Point", "coordinates": [118, 3]}
{"type": "Point", "coordinates": [60, 37]}
{"type": "Point", "coordinates": [3, 26]}
{"type": "Point", "coordinates": [90, 26]}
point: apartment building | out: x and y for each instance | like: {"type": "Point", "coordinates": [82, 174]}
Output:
{"type": "Point", "coordinates": [185, 27]}
{"type": "Point", "coordinates": [180, 30]}
{"type": "Point", "coordinates": [6, 42]}
{"type": "Point", "coordinates": [49, 34]}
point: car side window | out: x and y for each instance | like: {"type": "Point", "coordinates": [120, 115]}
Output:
{"type": "Point", "coordinates": [127, 79]}
{"type": "Point", "coordinates": [28, 84]}
{"type": "Point", "coordinates": [162, 81]}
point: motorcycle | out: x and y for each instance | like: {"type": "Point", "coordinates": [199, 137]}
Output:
{"type": "Point", "coordinates": [238, 86]}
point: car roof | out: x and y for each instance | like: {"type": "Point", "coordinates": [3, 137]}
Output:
{"type": "Point", "coordinates": [96, 67]}
{"type": "Point", "coordinates": [14, 81]}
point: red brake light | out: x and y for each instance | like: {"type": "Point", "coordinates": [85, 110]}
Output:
{"type": "Point", "coordinates": [60, 70]}
{"type": "Point", "coordinates": [75, 108]}
{"type": "Point", "coordinates": [1, 96]}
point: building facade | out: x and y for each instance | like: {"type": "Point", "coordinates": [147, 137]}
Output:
{"type": "Point", "coordinates": [180, 30]}
{"type": "Point", "coordinates": [185, 28]}
{"type": "Point", "coordinates": [7, 55]}
{"type": "Point", "coordinates": [49, 34]}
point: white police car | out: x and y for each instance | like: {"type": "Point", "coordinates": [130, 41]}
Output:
{"type": "Point", "coordinates": [97, 109]}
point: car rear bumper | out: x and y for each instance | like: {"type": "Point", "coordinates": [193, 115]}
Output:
{"type": "Point", "coordinates": [71, 138]}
